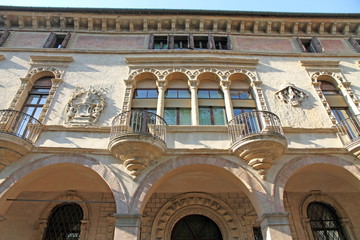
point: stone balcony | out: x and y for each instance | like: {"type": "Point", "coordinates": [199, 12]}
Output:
{"type": "Point", "coordinates": [349, 133]}
{"type": "Point", "coordinates": [137, 138]}
{"type": "Point", "coordinates": [257, 138]}
{"type": "Point", "coordinates": [18, 133]}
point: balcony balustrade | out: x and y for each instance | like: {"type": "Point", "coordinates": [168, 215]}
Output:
{"type": "Point", "coordinates": [137, 138]}
{"type": "Point", "coordinates": [257, 137]}
{"type": "Point", "coordinates": [18, 133]}
{"type": "Point", "coordinates": [349, 133]}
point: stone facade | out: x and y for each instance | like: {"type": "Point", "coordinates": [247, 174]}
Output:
{"type": "Point", "coordinates": [143, 119]}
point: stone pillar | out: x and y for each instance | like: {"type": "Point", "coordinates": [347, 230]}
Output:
{"type": "Point", "coordinates": [160, 102]}
{"type": "Point", "coordinates": [127, 227]}
{"type": "Point", "coordinates": [194, 102]}
{"type": "Point", "coordinates": [275, 226]}
{"type": "Point", "coordinates": [225, 85]}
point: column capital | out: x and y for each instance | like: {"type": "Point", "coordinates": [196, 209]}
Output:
{"type": "Point", "coordinates": [127, 220]}
{"type": "Point", "coordinates": [274, 219]}
{"type": "Point", "coordinates": [193, 83]}
{"type": "Point", "coordinates": [161, 84]}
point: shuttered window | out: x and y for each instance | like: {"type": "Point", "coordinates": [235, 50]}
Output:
{"type": "Point", "coordinates": [3, 36]}
{"type": "Point", "coordinates": [310, 45]}
{"type": "Point", "coordinates": [355, 43]}
{"type": "Point", "coordinates": [56, 40]}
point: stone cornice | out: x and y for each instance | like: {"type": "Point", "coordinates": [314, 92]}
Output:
{"type": "Point", "coordinates": [147, 21]}
{"type": "Point", "coordinates": [148, 62]}
{"type": "Point", "coordinates": [323, 65]}
{"type": "Point", "coordinates": [51, 59]}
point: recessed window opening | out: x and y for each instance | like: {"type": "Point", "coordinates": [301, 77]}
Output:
{"type": "Point", "coordinates": [145, 93]}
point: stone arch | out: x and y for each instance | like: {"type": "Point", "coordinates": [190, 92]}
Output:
{"type": "Point", "coordinates": [255, 191]}
{"type": "Point", "coordinates": [251, 76]}
{"type": "Point", "coordinates": [39, 72]}
{"type": "Point", "coordinates": [291, 167]}
{"type": "Point", "coordinates": [196, 203]}
{"type": "Point", "coordinates": [103, 171]}
{"type": "Point", "coordinates": [135, 73]}
{"type": "Point", "coordinates": [336, 76]}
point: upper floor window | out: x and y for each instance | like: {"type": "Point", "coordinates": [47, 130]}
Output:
{"type": "Point", "coordinates": [310, 45]}
{"type": "Point", "coordinates": [56, 40]}
{"type": "Point", "coordinates": [324, 222]}
{"type": "Point", "coordinates": [210, 94]}
{"type": "Point", "coordinates": [64, 222]}
{"type": "Point", "coordinates": [355, 43]}
{"type": "Point", "coordinates": [177, 93]}
{"type": "Point", "coordinates": [189, 42]}
{"type": "Point", "coordinates": [3, 36]}
{"type": "Point", "coordinates": [37, 97]}
{"type": "Point", "coordinates": [327, 88]}
{"type": "Point", "coordinates": [240, 94]}
{"type": "Point", "coordinates": [146, 93]}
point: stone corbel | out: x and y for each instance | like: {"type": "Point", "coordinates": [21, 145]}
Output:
{"type": "Point", "coordinates": [289, 94]}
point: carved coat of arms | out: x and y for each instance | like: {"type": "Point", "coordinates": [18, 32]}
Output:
{"type": "Point", "coordinates": [85, 107]}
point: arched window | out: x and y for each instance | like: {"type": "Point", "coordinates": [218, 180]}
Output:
{"type": "Point", "coordinates": [64, 222]}
{"type": "Point", "coordinates": [336, 101]}
{"type": "Point", "coordinates": [196, 227]}
{"type": "Point", "coordinates": [324, 222]}
{"type": "Point", "coordinates": [37, 97]}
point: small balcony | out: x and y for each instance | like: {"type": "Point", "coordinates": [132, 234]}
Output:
{"type": "Point", "coordinates": [137, 138]}
{"type": "Point", "coordinates": [257, 138]}
{"type": "Point", "coordinates": [18, 133]}
{"type": "Point", "coordinates": [349, 133]}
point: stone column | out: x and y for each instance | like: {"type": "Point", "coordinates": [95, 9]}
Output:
{"type": "Point", "coordinates": [225, 86]}
{"type": "Point", "coordinates": [275, 226]}
{"type": "Point", "coordinates": [127, 227]}
{"type": "Point", "coordinates": [194, 102]}
{"type": "Point", "coordinates": [161, 98]}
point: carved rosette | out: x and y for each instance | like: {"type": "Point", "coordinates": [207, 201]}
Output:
{"type": "Point", "coordinates": [85, 107]}
{"type": "Point", "coordinates": [289, 94]}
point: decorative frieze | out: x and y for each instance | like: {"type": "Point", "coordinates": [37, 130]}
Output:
{"type": "Point", "coordinates": [85, 107]}
{"type": "Point", "coordinates": [161, 22]}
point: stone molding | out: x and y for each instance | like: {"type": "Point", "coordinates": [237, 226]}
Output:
{"type": "Point", "coordinates": [196, 203]}
{"type": "Point", "coordinates": [179, 23]}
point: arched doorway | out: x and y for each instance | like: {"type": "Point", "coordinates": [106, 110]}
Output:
{"type": "Point", "coordinates": [196, 227]}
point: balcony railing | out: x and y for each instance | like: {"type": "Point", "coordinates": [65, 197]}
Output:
{"type": "Point", "coordinates": [20, 124]}
{"type": "Point", "coordinates": [254, 123]}
{"type": "Point", "coordinates": [138, 122]}
{"type": "Point", "coordinates": [349, 130]}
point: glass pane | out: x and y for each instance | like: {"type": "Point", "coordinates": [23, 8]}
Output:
{"type": "Point", "coordinates": [184, 94]}
{"type": "Point", "coordinates": [43, 99]}
{"type": "Point", "coordinates": [33, 99]}
{"type": "Point", "coordinates": [40, 90]}
{"type": "Point", "coordinates": [216, 94]}
{"type": "Point", "coordinates": [171, 93]}
{"type": "Point", "coordinates": [340, 114]}
{"type": "Point", "coordinates": [219, 116]}
{"type": "Point", "coordinates": [152, 93]}
{"type": "Point", "coordinates": [28, 110]}
{"type": "Point", "coordinates": [203, 94]}
{"type": "Point", "coordinates": [185, 116]}
{"type": "Point", "coordinates": [37, 112]}
{"type": "Point", "coordinates": [204, 116]}
{"type": "Point", "coordinates": [140, 93]}
{"type": "Point", "coordinates": [170, 116]}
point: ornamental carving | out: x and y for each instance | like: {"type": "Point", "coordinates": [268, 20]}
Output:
{"type": "Point", "coordinates": [85, 107]}
{"type": "Point", "coordinates": [289, 94]}
{"type": "Point", "coordinates": [57, 73]}
{"type": "Point", "coordinates": [196, 203]}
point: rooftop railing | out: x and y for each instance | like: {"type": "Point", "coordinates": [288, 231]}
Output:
{"type": "Point", "coordinates": [349, 130]}
{"type": "Point", "coordinates": [254, 123]}
{"type": "Point", "coordinates": [20, 124]}
{"type": "Point", "coordinates": [138, 122]}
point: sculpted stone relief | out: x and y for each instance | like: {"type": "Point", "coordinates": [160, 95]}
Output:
{"type": "Point", "coordinates": [289, 94]}
{"type": "Point", "coordinates": [85, 107]}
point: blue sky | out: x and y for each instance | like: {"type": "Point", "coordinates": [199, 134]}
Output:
{"type": "Point", "coordinates": [320, 6]}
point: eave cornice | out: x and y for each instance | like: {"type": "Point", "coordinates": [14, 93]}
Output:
{"type": "Point", "coordinates": [178, 21]}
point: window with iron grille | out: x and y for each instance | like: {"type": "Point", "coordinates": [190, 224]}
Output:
{"type": "Point", "coordinates": [64, 222]}
{"type": "Point", "coordinates": [257, 233]}
{"type": "Point", "coordinates": [324, 222]}
{"type": "Point", "coordinates": [37, 97]}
